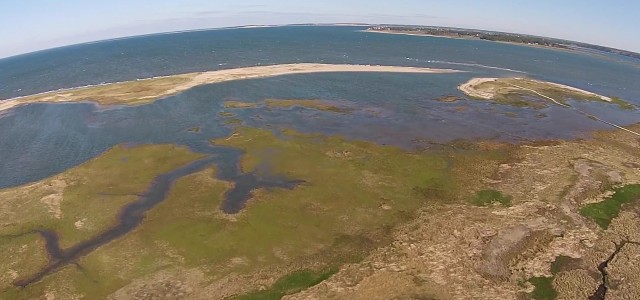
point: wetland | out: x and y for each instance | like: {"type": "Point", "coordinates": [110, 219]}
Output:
{"type": "Point", "coordinates": [311, 169]}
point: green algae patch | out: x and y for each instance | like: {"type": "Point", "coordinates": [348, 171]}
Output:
{"type": "Point", "coordinates": [77, 204]}
{"type": "Point", "coordinates": [623, 104]}
{"type": "Point", "coordinates": [488, 197]}
{"type": "Point", "coordinates": [22, 255]}
{"type": "Point", "coordinates": [320, 105]}
{"type": "Point", "coordinates": [354, 194]}
{"type": "Point", "coordinates": [606, 210]}
{"type": "Point", "coordinates": [313, 104]}
{"type": "Point", "coordinates": [543, 288]}
{"type": "Point", "coordinates": [188, 231]}
{"type": "Point", "coordinates": [356, 171]}
{"type": "Point", "coordinates": [165, 240]}
{"type": "Point", "coordinates": [239, 104]}
{"type": "Point", "coordinates": [290, 284]}
{"type": "Point", "coordinates": [85, 200]}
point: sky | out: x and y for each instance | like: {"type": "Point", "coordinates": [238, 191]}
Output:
{"type": "Point", "coordinates": [31, 25]}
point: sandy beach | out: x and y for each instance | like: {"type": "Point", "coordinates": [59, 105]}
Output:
{"type": "Point", "coordinates": [470, 88]}
{"type": "Point", "coordinates": [143, 91]}
{"type": "Point", "coordinates": [417, 34]}
{"type": "Point", "coordinates": [288, 69]}
{"type": "Point", "coordinates": [8, 104]}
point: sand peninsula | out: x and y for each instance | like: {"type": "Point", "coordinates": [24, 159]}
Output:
{"type": "Point", "coordinates": [143, 91]}
{"type": "Point", "coordinates": [526, 92]}
{"type": "Point", "coordinates": [515, 91]}
{"type": "Point", "coordinates": [476, 87]}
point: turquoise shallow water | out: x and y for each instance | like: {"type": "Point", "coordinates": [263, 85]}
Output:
{"type": "Point", "coordinates": [40, 140]}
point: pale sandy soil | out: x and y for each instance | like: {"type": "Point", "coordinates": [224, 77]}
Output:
{"type": "Point", "coordinates": [6, 105]}
{"type": "Point", "coordinates": [413, 34]}
{"type": "Point", "coordinates": [470, 88]}
{"type": "Point", "coordinates": [144, 91]}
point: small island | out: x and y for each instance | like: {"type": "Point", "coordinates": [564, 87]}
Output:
{"type": "Point", "coordinates": [526, 92]}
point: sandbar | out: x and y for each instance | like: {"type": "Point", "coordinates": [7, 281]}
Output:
{"type": "Point", "coordinates": [144, 91]}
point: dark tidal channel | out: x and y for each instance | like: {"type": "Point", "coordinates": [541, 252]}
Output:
{"type": "Point", "coordinates": [132, 215]}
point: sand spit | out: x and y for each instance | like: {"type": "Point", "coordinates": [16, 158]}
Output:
{"type": "Point", "coordinates": [413, 34]}
{"type": "Point", "coordinates": [302, 68]}
{"type": "Point", "coordinates": [503, 90]}
{"type": "Point", "coordinates": [473, 89]}
{"type": "Point", "coordinates": [143, 91]}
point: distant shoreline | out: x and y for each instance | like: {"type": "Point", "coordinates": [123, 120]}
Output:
{"type": "Point", "coordinates": [533, 41]}
{"type": "Point", "coordinates": [471, 39]}
{"type": "Point", "coordinates": [144, 91]}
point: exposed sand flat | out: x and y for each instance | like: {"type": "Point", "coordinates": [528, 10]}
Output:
{"type": "Point", "coordinates": [470, 88]}
{"type": "Point", "coordinates": [287, 69]}
{"type": "Point", "coordinates": [138, 92]}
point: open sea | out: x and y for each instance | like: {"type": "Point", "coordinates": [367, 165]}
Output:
{"type": "Point", "coordinates": [40, 140]}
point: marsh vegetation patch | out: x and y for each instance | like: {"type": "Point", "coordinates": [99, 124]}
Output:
{"type": "Point", "coordinates": [604, 211]}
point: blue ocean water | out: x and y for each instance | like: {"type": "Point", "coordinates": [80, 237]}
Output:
{"type": "Point", "coordinates": [40, 140]}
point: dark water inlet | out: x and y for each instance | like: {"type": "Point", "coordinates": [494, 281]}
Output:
{"type": "Point", "coordinates": [227, 162]}
{"type": "Point", "coordinates": [601, 292]}
{"type": "Point", "coordinates": [132, 215]}
{"type": "Point", "coordinates": [236, 198]}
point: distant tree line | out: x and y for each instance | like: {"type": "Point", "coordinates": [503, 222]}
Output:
{"type": "Point", "coordinates": [503, 37]}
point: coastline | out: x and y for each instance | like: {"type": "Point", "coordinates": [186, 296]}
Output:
{"type": "Point", "coordinates": [474, 39]}
{"type": "Point", "coordinates": [144, 91]}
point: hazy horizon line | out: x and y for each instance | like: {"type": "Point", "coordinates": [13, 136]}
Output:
{"type": "Point", "coordinates": [250, 26]}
